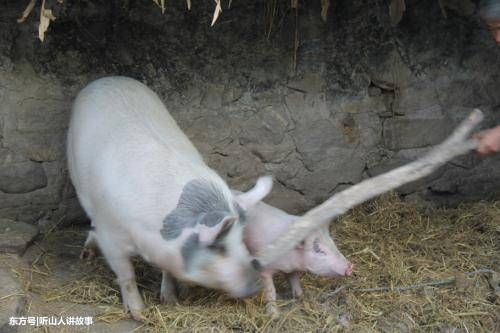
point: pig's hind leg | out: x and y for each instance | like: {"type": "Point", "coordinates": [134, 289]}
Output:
{"type": "Point", "coordinates": [90, 248]}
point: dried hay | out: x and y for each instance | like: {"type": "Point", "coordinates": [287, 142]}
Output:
{"type": "Point", "coordinates": [396, 9]}
{"type": "Point", "coordinates": [46, 15]}
{"type": "Point", "coordinates": [392, 243]}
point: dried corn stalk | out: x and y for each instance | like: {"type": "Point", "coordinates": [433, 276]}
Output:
{"type": "Point", "coordinates": [396, 10]}
{"type": "Point", "coordinates": [45, 17]}
{"type": "Point", "coordinates": [27, 11]}
{"type": "Point", "coordinates": [325, 4]}
{"type": "Point", "coordinates": [218, 10]}
{"type": "Point", "coordinates": [161, 4]}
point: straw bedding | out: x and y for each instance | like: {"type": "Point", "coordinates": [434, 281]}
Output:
{"type": "Point", "coordinates": [393, 244]}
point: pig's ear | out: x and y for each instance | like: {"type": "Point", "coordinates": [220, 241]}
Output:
{"type": "Point", "coordinates": [227, 224]}
{"type": "Point", "coordinates": [257, 193]}
{"type": "Point", "coordinates": [210, 235]}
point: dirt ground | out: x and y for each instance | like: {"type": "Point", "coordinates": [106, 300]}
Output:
{"type": "Point", "coordinates": [394, 245]}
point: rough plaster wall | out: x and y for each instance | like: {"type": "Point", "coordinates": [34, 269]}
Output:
{"type": "Point", "coordinates": [365, 97]}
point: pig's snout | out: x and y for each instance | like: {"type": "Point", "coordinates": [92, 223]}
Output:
{"type": "Point", "coordinates": [349, 269]}
{"type": "Point", "coordinates": [247, 284]}
{"type": "Point", "coordinates": [253, 286]}
{"type": "Point", "coordinates": [251, 289]}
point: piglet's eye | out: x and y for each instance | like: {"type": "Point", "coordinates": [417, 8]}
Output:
{"type": "Point", "coordinates": [316, 247]}
{"type": "Point", "coordinates": [301, 245]}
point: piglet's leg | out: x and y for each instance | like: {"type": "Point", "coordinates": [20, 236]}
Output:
{"type": "Point", "coordinates": [121, 265]}
{"type": "Point", "coordinates": [168, 293]}
{"type": "Point", "coordinates": [270, 295]}
{"type": "Point", "coordinates": [295, 283]}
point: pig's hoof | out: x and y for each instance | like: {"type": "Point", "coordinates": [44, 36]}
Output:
{"type": "Point", "coordinates": [137, 315]}
{"type": "Point", "coordinates": [168, 299]}
{"type": "Point", "coordinates": [297, 294]}
{"type": "Point", "coordinates": [272, 311]}
{"type": "Point", "coordinates": [88, 253]}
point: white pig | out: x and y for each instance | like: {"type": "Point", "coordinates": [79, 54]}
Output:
{"type": "Point", "coordinates": [317, 254]}
{"type": "Point", "coordinates": [148, 192]}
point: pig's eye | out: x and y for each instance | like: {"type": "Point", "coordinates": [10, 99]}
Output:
{"type": "Point", "coordinates": [301, 245]}
{"type": "Point", "coordinates": [316, 247]}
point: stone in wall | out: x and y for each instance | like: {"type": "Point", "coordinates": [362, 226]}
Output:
{"type": "Point", "coordinates": [34, 117]}
{"type": "Point", "coordinates": [365, 97]}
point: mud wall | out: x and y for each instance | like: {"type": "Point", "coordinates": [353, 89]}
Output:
{"type": "Point", "coordinates": [360, 98]}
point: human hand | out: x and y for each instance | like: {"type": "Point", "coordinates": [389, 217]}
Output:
{"type": "Point", "coordinates": [489, 141]}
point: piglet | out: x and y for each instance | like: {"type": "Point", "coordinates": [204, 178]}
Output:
{"type": "Point", "coordinates": [317, 253]}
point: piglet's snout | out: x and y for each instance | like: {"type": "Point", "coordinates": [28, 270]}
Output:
{"type": "Point", "coordinates": [349, 269]}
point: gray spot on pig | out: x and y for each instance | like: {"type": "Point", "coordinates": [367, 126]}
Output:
{"type": "Point", "coordinates": [201, 202]}
{"type": "Point", "coordinates": [241, 213]}
{"type": "Point", "coordinates": [189, 248]}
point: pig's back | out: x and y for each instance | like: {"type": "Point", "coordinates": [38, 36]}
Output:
{"type": "Point", "coordinates": [265, 224]}
{"type": "Point", "coordinates": [125, 151]}
{"type": "Point", "coordinates": [125, 110]}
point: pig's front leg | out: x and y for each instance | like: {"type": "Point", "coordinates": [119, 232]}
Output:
{"type": "Point", "coordinates": [270, 295]}
{"type": "Point", "coordinates": [168, 292]}
{"type": "Point", "coordinates": [295, 283]}
{"type": "Point", "coordinates": [132, 300]}
{"type": "Point", "coordinates": [121, 265]}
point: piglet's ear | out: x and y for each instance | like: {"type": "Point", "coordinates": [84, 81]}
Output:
{"type": "Point", "coordinates": [257, 193]}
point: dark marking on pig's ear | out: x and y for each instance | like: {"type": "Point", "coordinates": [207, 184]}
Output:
{"type": "Point", "coordinates": [189, 248]}
{"type": "Point", "coordinates": [241, 213]}
{"type": "Point", "coordinates": [212, 218]}
{"type": "Point", "coordinates": [202, 202]}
